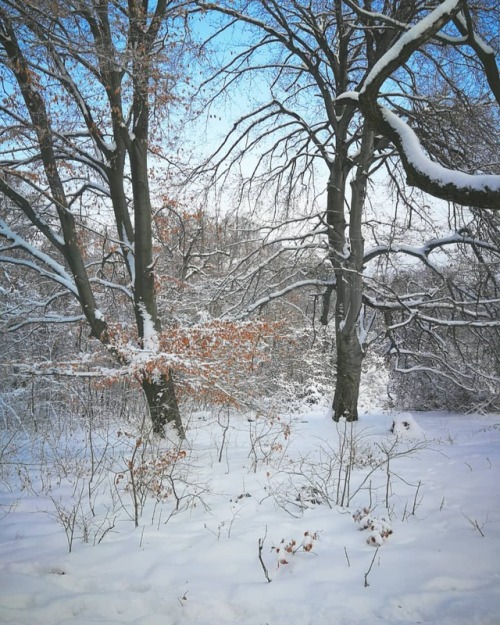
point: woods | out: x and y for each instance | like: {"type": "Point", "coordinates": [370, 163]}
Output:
{"type": "Point", "coordinates": [314, 212]}
{"type": "Point", "coordinates": [249, 312]}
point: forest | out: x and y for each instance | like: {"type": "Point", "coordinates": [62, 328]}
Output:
{"type": "Point", "coordinates": [249, 252]}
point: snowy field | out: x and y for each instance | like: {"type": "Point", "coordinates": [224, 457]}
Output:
{"type": "Point", "coordinates": [247, 499]}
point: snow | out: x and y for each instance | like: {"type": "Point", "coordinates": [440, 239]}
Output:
{"type": "Point", "coordinates": [110, 146]}
{"type": "Point", "coordinates": [349, 96]}
{"type": "Point", "coordinates": [58, 273]}
{"type": "Point", "coordinates": [114, 285]}
{"type": "Point", "coordinates": [430, 556]}
{"type": "Point", "coordinates": [149, 333]}
{"type": "Point", "coordinates": [129, 247]}
{"type": "Point", "coordinates": [480, 42]}
{"type": "Point", "coordinates": [405, 426]}
{"type": "Point", "coordinates": [417, 157]}
{"type": "Point", "coordinates": [443, 9]}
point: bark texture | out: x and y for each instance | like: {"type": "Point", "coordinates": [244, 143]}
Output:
{"type": "Point", "coordinates": [162, 404]}
{"type": "Point", "coordinates": [347, 251]}
{"type": "Point", "coordinates": [349, 361]}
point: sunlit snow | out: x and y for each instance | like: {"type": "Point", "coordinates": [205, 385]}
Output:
{"type": "Point", "coordinates": [415, 541]}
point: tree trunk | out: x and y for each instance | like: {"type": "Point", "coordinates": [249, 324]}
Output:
{"type": "Point", "coordinates": [349, 350]}
{"type": "Point", "coordinates": [347, 260]}
{"type": "Point", "coordinates": [160, 393]}
{"type": "Point", "coordinates": [162, 404]}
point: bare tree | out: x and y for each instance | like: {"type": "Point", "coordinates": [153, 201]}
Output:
{"type": "Point", "coordinates": [322, 64]}
{"type": "Point", "coordinates": [445, 181]}
{"type": "Point", "coordinates": [86, 88]}
{"type": "Point", "coordinates": [318, 59]}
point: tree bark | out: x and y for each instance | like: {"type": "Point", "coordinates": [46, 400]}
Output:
{"type": "Point", "coordinates": [347, 260]}
{"type": "Point", "coordinates": [349, 361]}
{"type": "Point", "coordinates": [350, 353]}
{"type": "Point", "coordinates": [162, 404]}
{"type": "Point", "coordinates": [160, 393]}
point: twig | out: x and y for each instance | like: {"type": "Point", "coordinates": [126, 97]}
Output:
{"type": "Point", "coordinates": [264, 568]}
{"type": "Point", "coordinates": [347, 557]}
{"type": "Point", "coordinates": [224, 432]}
{"type": "Point", "coordinates": [415, 504]}
{"type": "Point", "coordinates": [368, 572]}
{"type": "Point", "coordinates": [183, 598]}
{"type": "Point", "coordinates": [475, 523]}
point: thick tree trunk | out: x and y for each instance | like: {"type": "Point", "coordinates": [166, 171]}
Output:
{"type": "Point", "coordinates": [160, 393]}
{"type": "Point", "coordinates": [162, 404]}
{"type": "Point", "coordinates": [349, 350]}
{"type": "Point", "coordinates": [347, 249]}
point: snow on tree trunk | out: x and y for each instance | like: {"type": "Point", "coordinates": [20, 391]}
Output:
{"type": "Point", "coordinates": [162, 404]}
{"type": "Point", "coordinates": [347, 250]}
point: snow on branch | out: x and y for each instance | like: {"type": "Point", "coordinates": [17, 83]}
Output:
{"type": "Point", "coordinates": [438, 367]}
{"type": "Point", "coordinates": [424, 250]}
{"type": "Point", "coordinates": [410, 41]}
{"type": "Point", "coordinates": [480, 191]}
{"type": "Point", "coordinates": [414, 152]}
{"type": "Point", "coordinates": [51, 318]}
{"type": "Point", "coordinates": [459, 323]}
{"type": "Point", "coordinates": [68, 369]}
{"type": "Point", "coordinates": [113, 285]}
{"type": "Point", "coordinates": [278, 294]}
{"type": "Point", "coordinates": [211, 359]}
{"type": "Point", "coordinates": [57, 272]}
{"type": "Point", "coordinates": [27, 209]}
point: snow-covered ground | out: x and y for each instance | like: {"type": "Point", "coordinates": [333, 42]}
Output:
{"type": "Point", "coordinates": [241, 482]}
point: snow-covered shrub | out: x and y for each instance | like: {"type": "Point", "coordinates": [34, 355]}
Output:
{"type": "Point", "coordinates": [289, 547]}
{"type": "Point", "coordinates": [291, 396]}
{"type": "Point", "coordinates": [379, 528]}
{"type": "Point", "coordinates": [404, 426]}
{"type": "Point", "coordinates": [428, 391]}
{"type": "Point", "coordinates": [309, 496]}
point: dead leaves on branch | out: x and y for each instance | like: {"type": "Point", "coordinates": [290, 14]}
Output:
{"type": "Point", "coordinates": [209, 360]}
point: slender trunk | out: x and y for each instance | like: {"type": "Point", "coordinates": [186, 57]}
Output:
{"type": "Point", "coordinates": [160, 393]}
{"type": "Point", "coordinates": [162, 404]}
{"type": "Point", "coordinates": [347, 310]}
